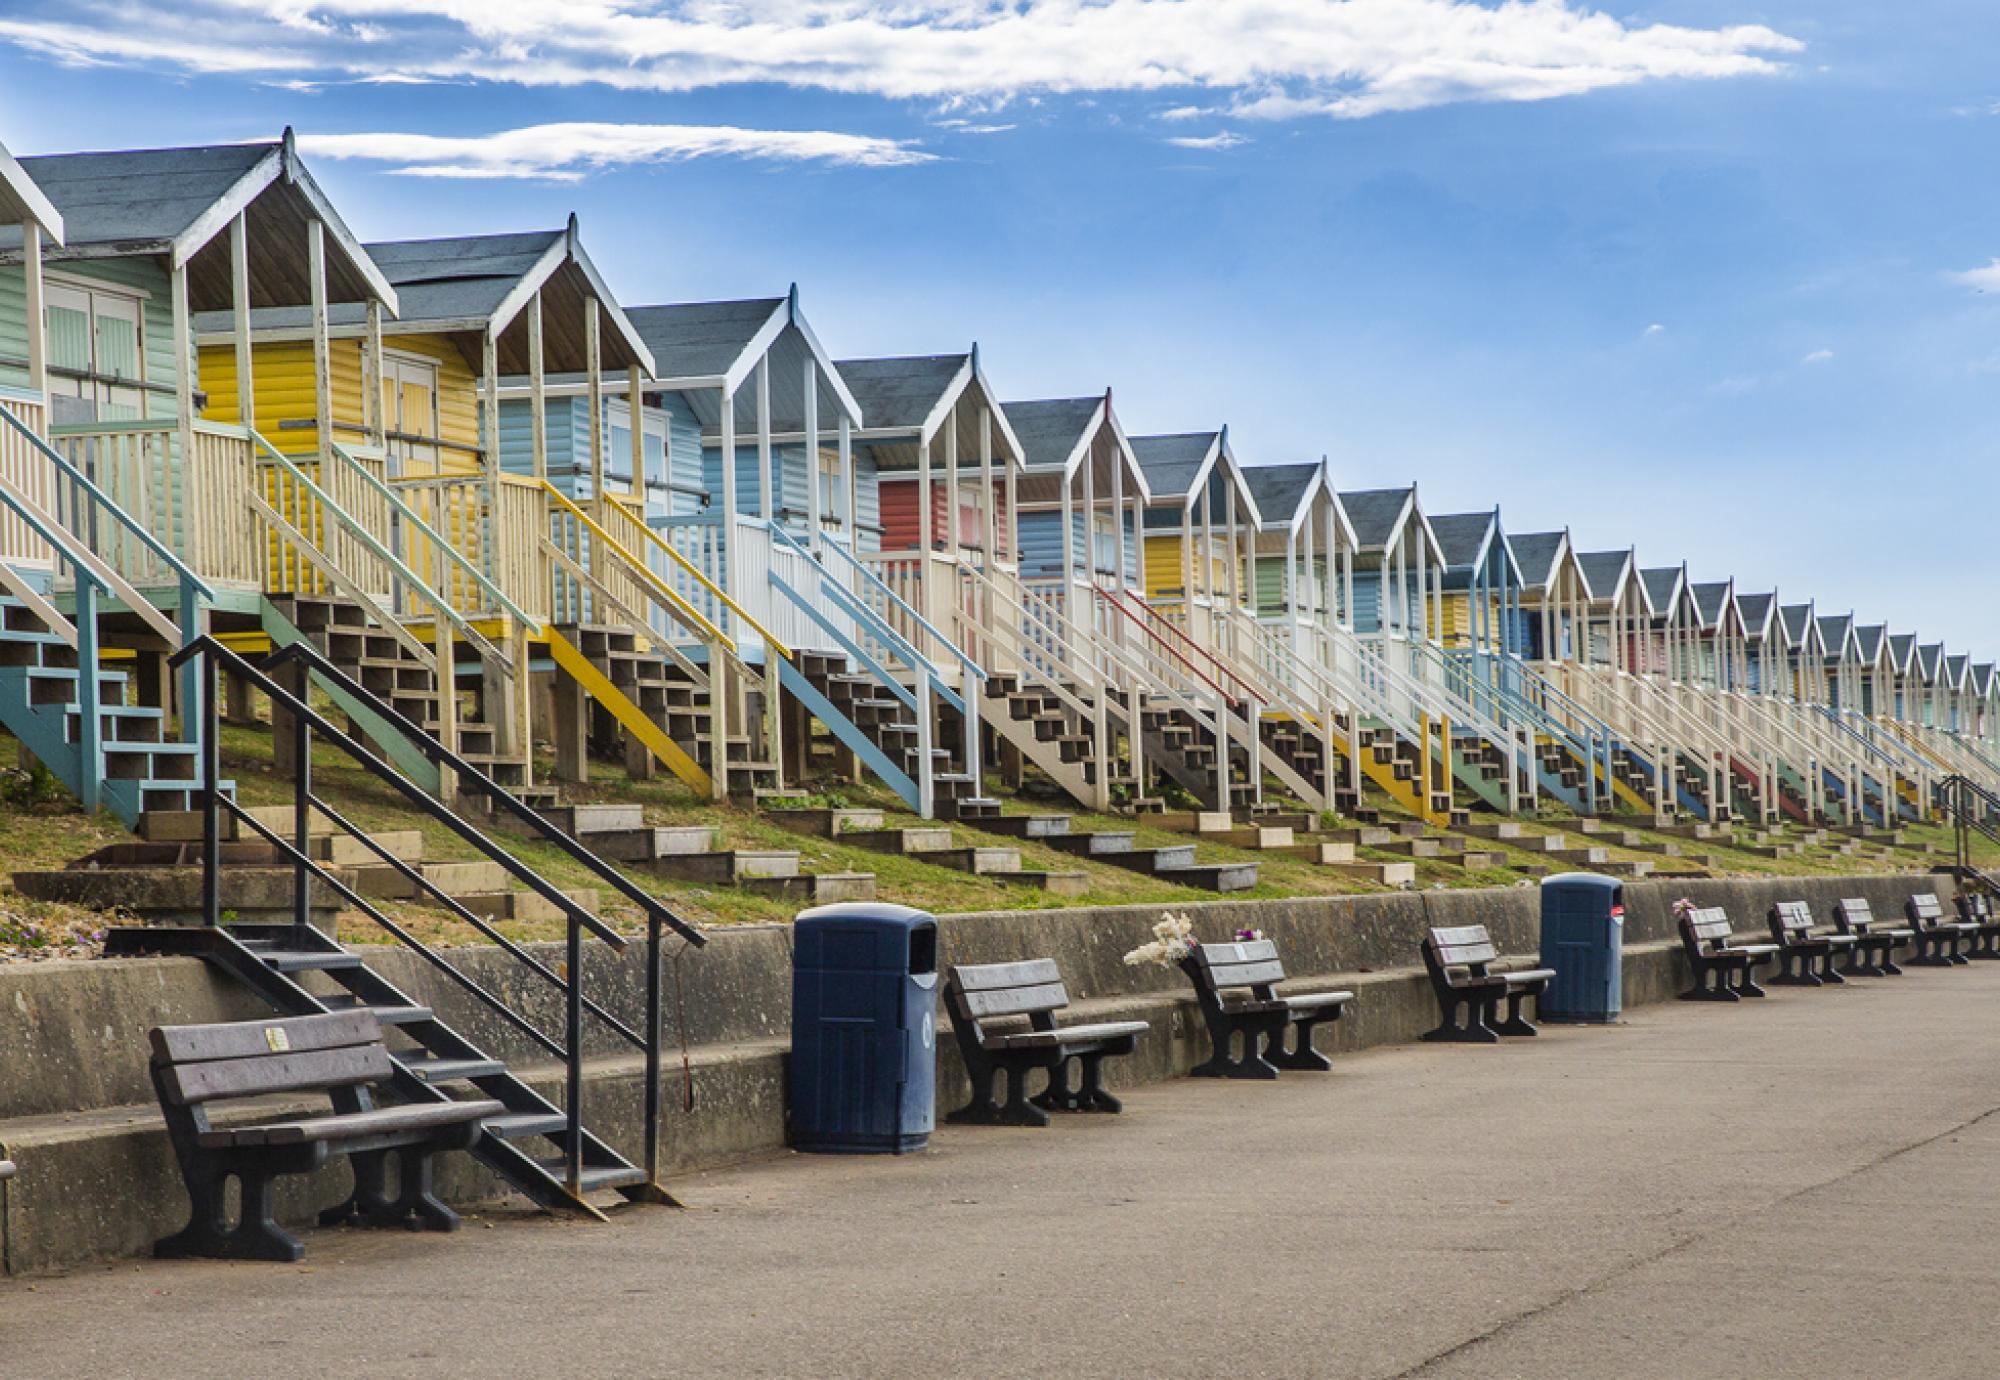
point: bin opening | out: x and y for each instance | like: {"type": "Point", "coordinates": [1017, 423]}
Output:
{"type": "Point", "coordinates": [923, 949]}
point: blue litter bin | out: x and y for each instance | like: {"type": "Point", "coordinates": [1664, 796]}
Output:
{"type": "Point", "coordinates": [864, 1029]}
{"type": "Point", "coordinates": [1583, 940]}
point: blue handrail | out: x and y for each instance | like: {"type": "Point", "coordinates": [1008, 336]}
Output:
{"type": "Point", "coordinates": [876, 581]}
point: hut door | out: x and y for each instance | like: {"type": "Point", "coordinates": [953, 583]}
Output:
{"type": "Point", "coordinates": [96, 355]}
{"type": "Point", "coordinates": [410, 403]}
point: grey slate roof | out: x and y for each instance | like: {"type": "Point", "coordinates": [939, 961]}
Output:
{"type": "Point", "coordinates": [898, 394]}
{"type": "Point", "coordinates": [1602, 569]}
{"type": "Point", "coordinates": [1756, 611]}
{"type": "Point", "coordinates": [1461, 535]}
{"type": "Point", "coordinates": [1170, 463]}
{"type": "Point", "coordinates": [1930, 658]}
{"type": "Point", "coordinates": [1870, 639]}
{"type": "Point", "coordinates": [1660, 582]}
{"type": "Point", "coordinates": [461, 278]}
{"type": "Point", "coordinates": [1901, 647]}
{"type": "Point", "coordinates": [1982, 676]}
{"type": "Point", "coordinates": [147, 196]}
{"type": "Point", "coordinates": [21, 199]}
{"type": "Point", "coordinates": [1050, 429]}
{"type": "Point", "coordinates": [1709, 598]}
{"type": "Point", "coordinates": [1535, 552]}
{"type": "Point", "coordinates": [1834, 630]}
{"type": "Point", "coordinates": [1955, 667]}
{"type": "Point", "coordinates": [701, 339]}
{"type": "Point", "coordinates": [1373, 514]}
{"type": "Point", "coordinates": [1795, 616]}
{"type": "Point", "coordinates": [1278, 489]}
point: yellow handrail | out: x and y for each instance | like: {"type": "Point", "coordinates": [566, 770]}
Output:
{"type": "Point", "coordinates": [769, 639]}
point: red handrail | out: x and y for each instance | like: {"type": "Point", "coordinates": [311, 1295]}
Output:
{"type": "Point", "coordinates": [1153, 615]}
{"type": "Point", "coordinates": [1146, 627]}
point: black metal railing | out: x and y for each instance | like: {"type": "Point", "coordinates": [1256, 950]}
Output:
{"type": "Point", "coordinates": [307, 725]}
{"type": "Point", "coordinates": [1972, 809]}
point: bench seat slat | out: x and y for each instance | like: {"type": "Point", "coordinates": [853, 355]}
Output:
{"type": "Point", "coordinates": [1014, 1001]}
{"type": "Point", "coordinates": [1246, 974]}
{"type": "Point", "coordinates": [1524, 976]}
{"type": "Point", "coordinates": [986, 977]}
{"type": "Point", "coordinates": [180, 1044]}
{"type": "Point", "coordinates": [351, 1126]}
{"type": "Point", "coordinates": [1067, 1035]}
{"type": "Point", "coordinates": [188, 1084]}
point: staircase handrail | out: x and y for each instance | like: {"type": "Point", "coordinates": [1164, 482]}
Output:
{"type": "Point", "coordinates": [317, 662]}
{"type": "Point", "coordinates": [83, 560]}
{"type": "Point", "coordinates": [878, 583]}
{"type": "Point", "coordinates": [694, 571]}
{"type": "Point", "coordinates": [876, 625]}
{"type": "Point", "coordinates": [1145, 626]}
{"type": "Point", "coordinates": [1019, 604]}
{"type": "Point", "coordinates": [408, 514]}
{"type": "Point", "coordinates": [359, 530]}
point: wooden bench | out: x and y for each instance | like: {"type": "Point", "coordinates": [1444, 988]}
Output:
{"type": "Point", "coordinates": [1976, 908]}
{"type": "Point", "coordinates": [1939, 941]}
{"type": "Point", "coordinates": [1723, 969]}
{"type": "Point", "coordinates": [1874, 947]}
{"type": "Point", "coordinates": [980, 994]}
{"type": "Point", "coordinates": [1459, 960]}
{"type": "Point", "coordinates": [1806, 959]}
{"type": "Point", "coordinates": [1236, 986]}
{"type": "Point", "coordinates": [195, 1067]}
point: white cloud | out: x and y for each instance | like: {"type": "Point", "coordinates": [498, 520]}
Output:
{"type": "Point", "coordinates": [1653, 332]}
{"type": "Point", "coordinates": [1817, 357]}
{"type": "Point", "coordinates": [1270, 59]}
{"type": "Point", "coordinates": [1224, 140]}
{"type": "Point", "coordinates": [1986, 279]}
{"type": "Point", "coordinates": [567, 152]}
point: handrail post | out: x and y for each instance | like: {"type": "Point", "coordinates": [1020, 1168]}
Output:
{"type": "Point", "coordinates": [211, 806]}
{"type": "Point", "coordinates": [191, 628]}
{"type": "Point", "coordinates": [653, 1050]}
{"type": "Point", "coordinates": [573, 1093]}
{"type": "Point", "coordinates": [926, 722]}
{"type": "Point", "coordinates": [90, 725]}
{"type": "Point", "coordinates": [301, 813]}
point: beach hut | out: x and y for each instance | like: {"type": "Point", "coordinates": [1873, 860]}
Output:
{"type": "Point", "coordinates": [1766, 647]}
{"type": "Point", "coordinates": [1304, 556]}
{"type": "Point", "coordinates": [1619, 613]}
{"type": "Point", "coordinates": [1201, 526]}
{"type": "Point", "coordinates": [1720, 648]}
{"type": "Point", "coordinates": [1555, 597]}
{"type": "Point", "coordinates": [1398, 566]}
{"type": "Point", "coordinates": [1482, 582]}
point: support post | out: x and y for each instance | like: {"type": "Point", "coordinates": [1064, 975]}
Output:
{"type": "Point", "coordinates": [239, 303]}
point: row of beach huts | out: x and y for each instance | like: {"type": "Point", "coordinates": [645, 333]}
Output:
{"type": "Point", "coordinates": [687, 534]}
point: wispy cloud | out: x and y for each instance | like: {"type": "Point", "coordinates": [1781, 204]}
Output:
{"type": "Point", "coordinates": [567, 152]}
{"type": "Point", "coordinates": [1272, 59]}
{"type": "Point", "coordinates": [1224, 140]}
{"type": "Point", "coordinates": [1986, 279]}
{"type": "Point", "coordinates": [1653, 332]}
{"type": "Point", "coordinates": [1818, 357]}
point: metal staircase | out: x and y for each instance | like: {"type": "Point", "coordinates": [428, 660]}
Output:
{"type": "Point", "coordinates": [543, 1150]}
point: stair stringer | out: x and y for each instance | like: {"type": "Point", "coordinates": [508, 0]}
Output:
{"type": "Point", "coordinates": [573, 663]}
{"type": "Point", "coordinates": [792, 680]}
{"type": "Point", "coordinates": [1047, 758]}
{"type": "Point", "coordinates": [393, 742]}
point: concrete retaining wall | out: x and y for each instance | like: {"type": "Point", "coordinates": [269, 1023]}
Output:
{"type": "Point", "coordinates": [98, 1180]}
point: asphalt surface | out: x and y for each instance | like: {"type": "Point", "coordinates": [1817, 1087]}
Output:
{"type": "Point", "coordinates": [1804, 1186]}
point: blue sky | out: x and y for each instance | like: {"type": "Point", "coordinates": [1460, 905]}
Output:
{"type": "Point", "coordinates": [1701, 277]}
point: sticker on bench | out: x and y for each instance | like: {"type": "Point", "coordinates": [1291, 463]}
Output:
{"type": "Point", "coordinates": [276, 1038]}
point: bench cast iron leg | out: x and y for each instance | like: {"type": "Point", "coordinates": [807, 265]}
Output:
{"type": "Point", "coordinates": [1301, 1055]}
{"type": "Point", "coordinates": [1089, 1096]}
{"type": "Point", "coordinates": [1746, 981]}
{"type": "Point", "coordinates": [985, 1108]}
{"type": "Point", "coordinates": [1516, 1023]}
{"type": "Point", "coordinates": [257, 1236]}
{"type": "Point", "coordinates": [1711, 983]}
{"type": "Point", "coordinates": [1476, 1030]}
{"type": "Point", "coordinates": [1223, 1062]}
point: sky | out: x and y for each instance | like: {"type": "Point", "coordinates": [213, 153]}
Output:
{"type": "Point", "coordinates": [1718, 279]}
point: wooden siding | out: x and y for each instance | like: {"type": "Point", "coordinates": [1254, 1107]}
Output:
{"type": "Point", "coordinates": [1163, 567]}
{"type": "Point", "coordinates": [1041, 541]}
{"type": "Point", "coordinates": [13, 326]}
{"type": "Point", "coordinates": [156, 318]}
{"type": "Point", "coordinates": [898, 508]}
{"type": "Point", "coordinates": [283, 371]}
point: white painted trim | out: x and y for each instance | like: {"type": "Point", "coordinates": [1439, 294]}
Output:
{"type": "Point", "coordinates": [31, 197]}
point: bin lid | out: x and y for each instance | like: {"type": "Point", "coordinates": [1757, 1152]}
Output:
{"type": "Point", "coordinates": [1581, 881]}
{"type": "Point", "coordinates": [878, 914]}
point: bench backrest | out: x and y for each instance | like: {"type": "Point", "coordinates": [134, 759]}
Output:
{"type": "Point", "coordinates": [1925, 910]}
{"type": "Point", "coordinates": [991, 991]}
{"type": "Point", "coordinates": [1244, 963]}
{"type": "Point", "coordinates": [1706, 925]}
{"type": "Point", "coordinates": [1461, 946]}
{"type": "Point", "coordinates": [1975, 905]}
{"type": "Point", "coordinates": [1853, 914]}
{"type": "Point", "coordinates": [1791, 920]}
{"type": "Point", "coordinates": [201, 1063]}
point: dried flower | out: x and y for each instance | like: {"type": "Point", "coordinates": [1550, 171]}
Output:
{"type": "Point", "coordinates": [1172, 938]}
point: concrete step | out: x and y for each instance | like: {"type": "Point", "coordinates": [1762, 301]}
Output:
{"type": "Point", "coordinates": [1582, 857]}
{"type": "Point", "coordinates": [646, 843]}
{"type": "Point", "coordinates": [581, 820]}
{"type": "Point", "coordinates": [344, 850]}
{"type": "Point", "coordinates": [902, 841]}
{"type": "Point", "coordinates": [1325, 854]}
{"type": "Point", "coordinates": [728, 867]}
{"type": "Point", "coordinates": [825, 823]}
{"type": "Point", "coordinates": [820, 888]}
{"type": "Point", "coordinates": [185, 826]}
{"type": "Point", "coordinates": [1022, 826]}
{"type": "Point", "coordinates": [1502, 831]}
{"type": "Point", "coordinates": [384, 882]}
{"type": "Point", "coordinates": [1212, 876]}
{"type": "Point", "coordinates": [980, 862]}
{"type": "Point", "coordinates": [525, 905]}
{"type": "Point", "coordinates": [1383, 874]}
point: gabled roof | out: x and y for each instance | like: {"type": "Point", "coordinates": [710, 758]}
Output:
{"type": "Point", "coordinates": [1378, 515]}
{"type": "Point", "coordinates": [1177, 465]}
{"type": "Point", "coordinates": [177, 204]}
{"type": "Point", "coordinates": [1871, 641]}
{"type": "Point", "coordinates": [1930, 660]}
{"type": "Point", "coordinates": [1664, 586]}
{"type": "Point", "coordinates": [1957, 667]}
{"type": "Point", "coordinates": [908, 399]}
{"type": "Point", "coordinates": [1759, 614]}
{"type": "Point", "coordinates": [1605, 572]}
{"type": "Point", "coordinates": [714, 347]}
{"type": "Point", "coordinates": [1538, 554]}
{"type": "Point", "coordinates": [1284, 492]}
{"type": "Point", "coordinates": [1466, 540]}
{"type": "Point", "coordinates": [1836, 635]}
{"type": "Point", "coordinates": [1981, 678]}
{"type": "Point", "coordinates": [1054, 432]}
{"type": "Point", "coordinates": [22, 199]}
{"type": "Point", "coordinates": [1711, 602]}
